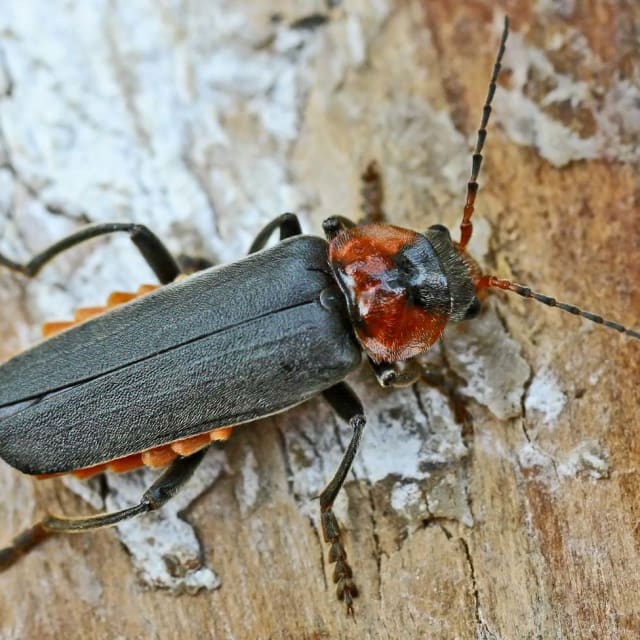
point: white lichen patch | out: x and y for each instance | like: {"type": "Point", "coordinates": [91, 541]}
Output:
{"type": "Point", "coordinates": [406, 497]}
{"type": "Point", "coordinates": [531, 457]}
{"type": "Point", "coordinates": [164, 548]}
{"type": "Point", "coordinates": [545, 396]}
{"type": "Point", "coordinates": [525, 121]}
{"type": "Point", "coordinates": [526, 124]}
{"type": "Point", "coordinates": [619, 122]}
{"type": "Point", "coordinates": [538, 464]}
{"type": "Point", "coordinates": [588, 459]}
{"type": "Point", "coordinates": [409, 433]}
{"type": "Point", "coordinates": [448, 498]}
{"type": "Point", "coordinates": [489, 360]}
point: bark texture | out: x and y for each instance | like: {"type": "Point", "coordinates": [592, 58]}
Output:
{"type": "Point", "coordinates": [205, 120]}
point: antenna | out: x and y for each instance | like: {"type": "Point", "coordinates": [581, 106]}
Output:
{"type": "Point", "coordinates": [486, 282]}
{"type": "Point", "coordinates": [466, 227]}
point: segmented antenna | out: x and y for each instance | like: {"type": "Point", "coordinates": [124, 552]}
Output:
{"type": "Point", "coordinates": [492, 282]}
{"type": "Point", "coordinates": [466, 226]}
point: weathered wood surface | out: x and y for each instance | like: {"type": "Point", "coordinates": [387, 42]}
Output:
{"type": "Point", "coordinates": [204, 122]}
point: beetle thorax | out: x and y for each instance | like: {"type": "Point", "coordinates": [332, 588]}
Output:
{"type": "Point", "coordinates": [397, 291]}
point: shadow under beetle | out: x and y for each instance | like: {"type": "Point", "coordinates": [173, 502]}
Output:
{"type": "Point", "coordinates": [154, 379]}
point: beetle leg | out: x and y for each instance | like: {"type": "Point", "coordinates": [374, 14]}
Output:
{"type": "Point", "coordinates": [153, 251]}
{"type": "Point", "coordinates": [288, 224]}
{"type": "Point", "coordinates": [388, 374]}
{"type": "Point", "coordinates": [347, 405]}
{"type": "Point", "coordinates": [161, 491]}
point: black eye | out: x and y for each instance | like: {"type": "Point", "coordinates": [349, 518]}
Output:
{"type": "Point", "coordinates": [473, 310]}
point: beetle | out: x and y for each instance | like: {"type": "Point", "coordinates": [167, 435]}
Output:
{"type": "Point", "coordinates": [156, 378]}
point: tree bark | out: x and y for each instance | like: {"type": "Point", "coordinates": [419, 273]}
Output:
{"type": "Point", "coordinates": [204, 122]}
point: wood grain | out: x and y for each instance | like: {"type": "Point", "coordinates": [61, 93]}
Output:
{"type": "Point", "coordinates": [532, 529]}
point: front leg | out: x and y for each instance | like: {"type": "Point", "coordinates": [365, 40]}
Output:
{"type": "Point", "coordinates": [347, 405]}
{"type": "Point", "coordinates": [287, 223]}
{"type": "Point", "coordinates": [389, 374]}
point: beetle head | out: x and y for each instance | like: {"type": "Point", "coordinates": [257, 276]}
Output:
{"type": "Point", "coordinates": [402, 287]}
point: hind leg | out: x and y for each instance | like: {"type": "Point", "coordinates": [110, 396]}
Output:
{"type": "Point", "coordinates": [159, 493]}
